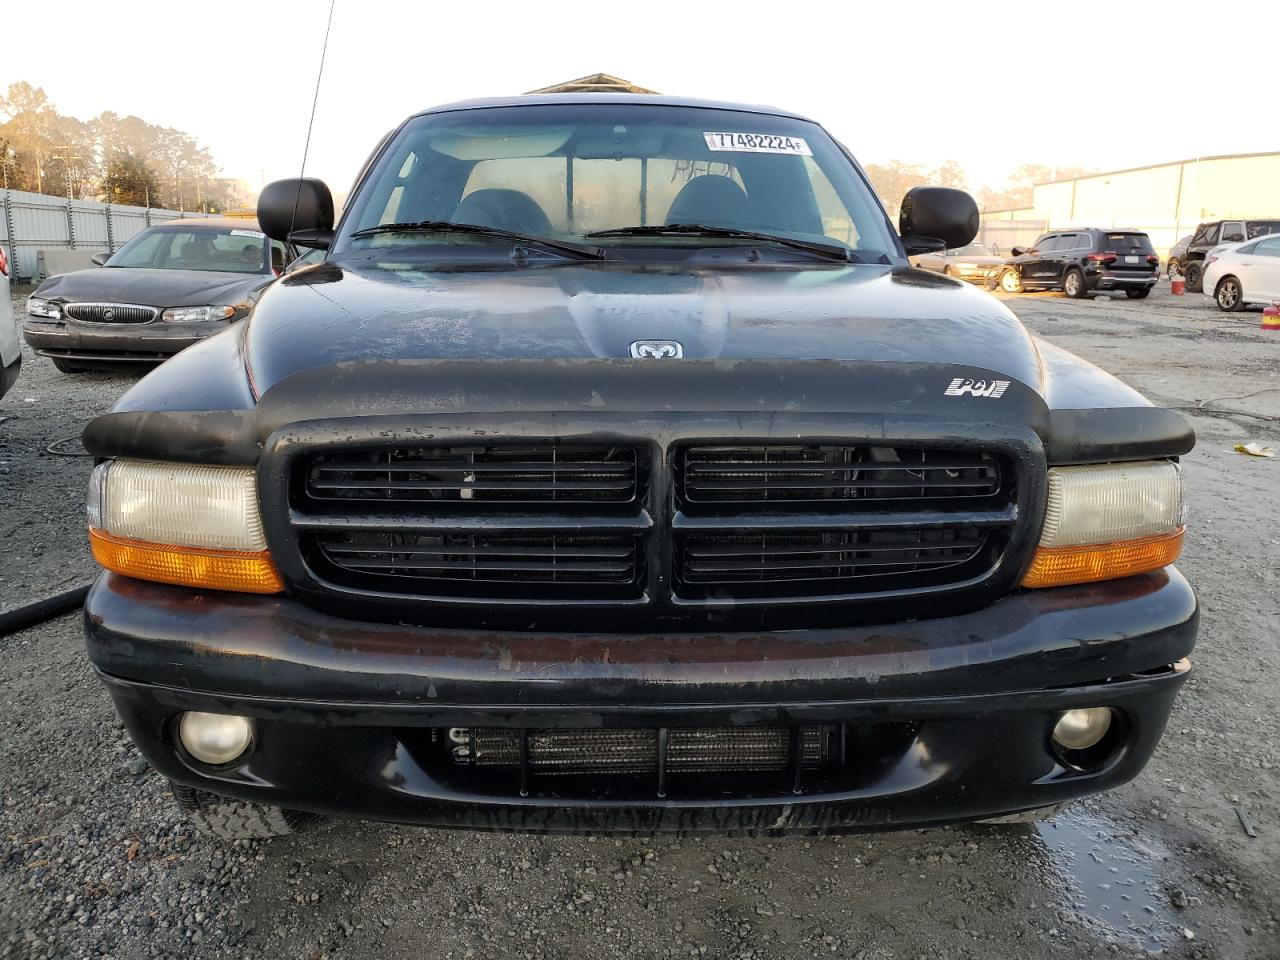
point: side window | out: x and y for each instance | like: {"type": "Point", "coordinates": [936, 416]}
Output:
{"type": "Point", "coordinates": [1260, 228]}
{"type": "Point", "coordinates": [1210, 234]}
{"type": "Point", "coordinates": [1232, 232]}
{"type": "Point", "coordinates": [1268, 248]}
{"type": "Point", "coordinates": [1050, 245]}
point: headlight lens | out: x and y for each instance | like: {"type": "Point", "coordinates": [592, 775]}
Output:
{"type": "Point", "coordinates": [1108, 520]}
{"type": "Point", "coordinates": [180, 523]}
{"type": "Point", "coordinates": [44, 309]}
{"type": "Point", "coordinates": [197, 314]}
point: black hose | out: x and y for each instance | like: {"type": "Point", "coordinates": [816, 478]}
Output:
{"type": "Point", "coordinates": [11, 621]}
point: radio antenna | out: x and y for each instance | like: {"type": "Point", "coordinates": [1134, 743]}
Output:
{"type": "Point", "coordinates": [324, 49]}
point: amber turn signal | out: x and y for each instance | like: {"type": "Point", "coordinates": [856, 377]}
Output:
{"type": "Point", "coordinates": [187, 566]}
{"type": "Point", "coordinates": [1059, 566]}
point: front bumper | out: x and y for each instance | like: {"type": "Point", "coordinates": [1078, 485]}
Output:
{"type": "Point", "coordinates": [345, 711]}
{"type": "Point", "coordinates": [155, 341]}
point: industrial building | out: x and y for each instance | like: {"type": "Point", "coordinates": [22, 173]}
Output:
{"type": "Point", "coordinates": [1166, 200]}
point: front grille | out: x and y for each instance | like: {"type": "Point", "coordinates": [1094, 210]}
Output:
{"type": "Point", "coordinates": [636, 751]}
{"type": "Point", "coordinates": [818, 473]}
{"type": "Point", "coordinates": [455, 563]}
{"type": "Point", "coordinates": [823, 562]}
{"type": "Point", "coordinates": [110, 312]}
{"type": "Point", "coordinates": [541, 473]}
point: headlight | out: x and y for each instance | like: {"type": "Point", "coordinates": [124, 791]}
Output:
{"type": "Point", "coordinates": [198, 526]}
{"type": "Point", "coordinates": [1106, 521]}
{"type": "Point", "coordinates": [44, 309]}
{"type": "Point", "coordinates": [197, 314]}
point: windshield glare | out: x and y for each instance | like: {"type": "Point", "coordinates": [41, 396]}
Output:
{"type": "Point", "coordinates": [566, 171]}
{"type": "Point", "coordinates": [220, 251]}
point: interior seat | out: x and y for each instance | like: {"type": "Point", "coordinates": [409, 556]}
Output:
{"type": "Point", "coordinates": [503, 209]}
{"type": "Point", "coordinates": [713, 200]}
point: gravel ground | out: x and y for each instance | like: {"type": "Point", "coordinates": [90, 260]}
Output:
{"type": "Point", "coordinates": [94, 860]}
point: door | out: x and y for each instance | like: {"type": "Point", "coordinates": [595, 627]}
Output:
{"type": "Point", "coordinates": [1262, 269]}
{"type": "Point", "coordinates": [1042, 268]}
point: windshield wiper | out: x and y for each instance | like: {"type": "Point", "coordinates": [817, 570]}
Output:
{"type": "Point", "coordinates": [829, 250]}
{"type": "Point", "coordinates": [448, 226]}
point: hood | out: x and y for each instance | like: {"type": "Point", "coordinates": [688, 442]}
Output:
{"type": "Point", "coordinates": [153, 288]}
{"type": "Point", "coordinates": [331, 313]}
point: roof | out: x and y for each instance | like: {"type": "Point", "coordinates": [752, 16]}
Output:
{"type": "Point", "coordinates": [213, 223]}
{"type": "Point", "coordinates": [1156, 166]}
{"type": "Point", "coordinates": [595, 83]}
{"type": "Point", "coordinates": [622, 99]}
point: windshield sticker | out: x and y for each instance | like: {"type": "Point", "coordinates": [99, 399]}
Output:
{"type": "Point", "coordinates": [757, 143]}
{"type": "Point", "coordinates": [257, 235]}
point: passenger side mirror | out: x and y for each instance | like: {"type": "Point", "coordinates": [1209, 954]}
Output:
{"type": "Point", "coordinates": [100, 259]}
{"type": "Point", "coordinates": [937, 218]}
{"type": "Point", "coordinates": [299, 211]}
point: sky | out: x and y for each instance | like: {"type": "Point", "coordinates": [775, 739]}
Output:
{"type": "Point", "coordinates": [991, 85]}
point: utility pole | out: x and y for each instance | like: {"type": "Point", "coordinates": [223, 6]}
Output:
{"type": "Point", "coordinates": [66, 159]}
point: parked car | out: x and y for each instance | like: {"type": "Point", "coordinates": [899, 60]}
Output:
{"type": "Point", "coordinates": [972, 262]}
{"type": "Point", "coordinates": [10, 347]}
{"type": "Point", "coordinates": [615, 471]}
{"type": "Point", "coordinates": [1244, 273]}
{"type": "Point", "coordinates": [1178, 256]}
{"type": "Point", "coordinates": [170, 286]}
{"type": "Point", "coordinates": [1081, 262]}
{"type": "Point", "coordinates": [1216, 233]}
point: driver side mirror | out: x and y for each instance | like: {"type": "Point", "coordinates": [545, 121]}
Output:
{"type": "Point", "coordinates": [100, 259]}
{"type": "Point", "coordinates": [1018, 251]}
{"type": "Point", "coordinates": [298, 211]}
{"type": "Point", "coordinates": [937, 218]}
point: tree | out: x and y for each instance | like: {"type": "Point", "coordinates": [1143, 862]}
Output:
{"type": "Point", "coordinates": [1019, 190]}
{"type": "Point", "coordinates": [892, 180]}
{"type": "Point", "coordinates": [129, 181]}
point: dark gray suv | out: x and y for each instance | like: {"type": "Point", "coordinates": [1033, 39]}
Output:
{"type": "Point", "coordinates": [1081, 262]}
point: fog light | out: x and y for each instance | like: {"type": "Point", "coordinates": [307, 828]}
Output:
{"type": "Point", "coordinates": [215, 738]}
{"type": "Point", "coordinates": [1082, 729]}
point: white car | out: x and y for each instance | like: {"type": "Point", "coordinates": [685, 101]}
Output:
{"type": "Point", "coordinates": [1241, 273]}
{"type": "Point", "coordinates": [10, 346]}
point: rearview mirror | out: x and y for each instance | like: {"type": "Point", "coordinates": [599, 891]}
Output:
{"type": "Point", "coordinates": [937, 218]}
{"type": "Point", "coordinates": [298, 210]}
{"type": "Point", "coordinates": [100, 259]}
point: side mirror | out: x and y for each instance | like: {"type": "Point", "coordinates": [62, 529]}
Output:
{"type": "Point", "coordinates": [937, 218]}
{"type": "Point", "coordinates": [100, 259]}
{"type": "Point", "coordinates": [1018, 251]}
{"type": "Point", "coordinates": [299, 211]}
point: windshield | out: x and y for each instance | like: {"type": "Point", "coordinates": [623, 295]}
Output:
{"type": "Point", "coordinates": [568, 171]}
{"type": "Point", "coordinates": [230, 250]}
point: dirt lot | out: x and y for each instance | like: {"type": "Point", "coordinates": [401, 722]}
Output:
{"type": "Point", "coordinates": [94, 861]}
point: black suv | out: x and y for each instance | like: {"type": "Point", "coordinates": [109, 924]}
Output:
{"type": "Point", "coordinates": [615, 471]}
{"type": "Point", "coordinates": [1080, 262]}
{"type": "Point", "coordinates": [1215, 233]}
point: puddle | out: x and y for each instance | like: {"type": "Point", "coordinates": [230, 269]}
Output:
{"type": "Point", "coordinates": [1113, 876]}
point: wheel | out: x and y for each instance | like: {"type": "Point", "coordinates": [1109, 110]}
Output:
{"type": "Point", "coordinates": [1027, 816]}
{"type": "Point", "coordinates": [225, 818]}
{"type": "Point", "coordinates": [1229, 295]}
{"type": "Point", "coordinates": [1195, 276]}
{"type": "Point", "coordinates": [1174, 267]}
{"type": "Point", "coordinates": [1137, 294]}
{"type": "Point", "coordinates": [69, 366]}
{"type": "Point", "coordinates": [1011, 282]}
{"type": "Point", "coordinates": [1073, 284]}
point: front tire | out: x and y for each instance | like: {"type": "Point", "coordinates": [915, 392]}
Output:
{"type": "Point", "coordinates": [225, 818]}
{"type": "Point", "coordinates": [1195, 277]}
{"type": "Point", "coordinates": [1073, 284]}
{"type": "Point", "coordinates": [1137, 294]}
{"type": "Point", "coordinates": [1011, 282]}
{"type": "Point", "coordinates": [1229, 295]}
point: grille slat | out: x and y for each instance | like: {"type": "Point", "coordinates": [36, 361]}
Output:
{"type": "Point", "coordinates": [561, 473]}
{"type": "Point", "coordinates": [825, 473]}
{"type": "Point", "coordinates": [110, 312]}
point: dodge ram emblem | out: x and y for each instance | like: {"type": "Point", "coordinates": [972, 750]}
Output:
{"type": "Point", "coordinates": [657, 349]}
